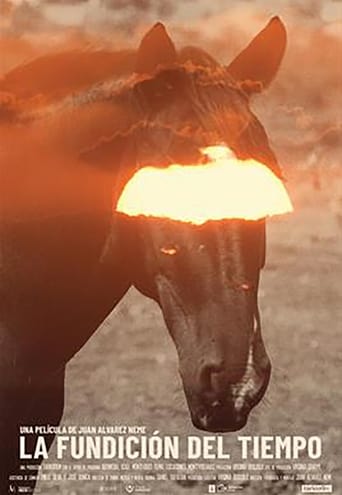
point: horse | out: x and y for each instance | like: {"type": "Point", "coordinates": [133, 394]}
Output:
{"type": "Point", "coordinates": [67, 258]}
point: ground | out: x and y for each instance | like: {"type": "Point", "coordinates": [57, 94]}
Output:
{"type": "Point", "coordinates": [127, 373]}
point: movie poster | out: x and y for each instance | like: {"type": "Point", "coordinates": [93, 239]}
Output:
{"type": "Point", "coordinates": [170, 243]}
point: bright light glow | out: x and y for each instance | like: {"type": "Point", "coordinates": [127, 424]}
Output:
{"type": "Point", "coordinates": [224, 187]}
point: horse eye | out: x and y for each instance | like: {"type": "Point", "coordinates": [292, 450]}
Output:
{"type": "Point", "coordinates": [246, 286]}
{"type": "Point", "coordinates": [169, 250]}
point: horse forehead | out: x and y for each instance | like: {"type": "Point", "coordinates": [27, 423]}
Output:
{"type": "Point", "coordinates": [205, 252]}
{"type": "Point", "coordinates": [219, 235]}
{"type": "Point", "coordinates": [199, 85]}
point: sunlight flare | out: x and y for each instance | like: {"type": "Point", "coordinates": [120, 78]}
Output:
{"type": "Point", "coordinates": [222, 188]}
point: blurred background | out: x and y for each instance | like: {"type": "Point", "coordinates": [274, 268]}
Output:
{"type": "Point", "coordinates": [127, 373]}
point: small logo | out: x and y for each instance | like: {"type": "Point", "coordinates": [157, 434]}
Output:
{"type": "Point", "coordinates": [211, 488]}
{"type": "Point", "coordinates": [221, 488]}
{"type": "Point", "coordinates": [129, 488]}
{"type": "Point", "coordinates": [317, 489]}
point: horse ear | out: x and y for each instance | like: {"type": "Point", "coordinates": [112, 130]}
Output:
{"type": "Point", "coordinates": [256, 66]}
{"type": "Point", "coordinates": [156, 48]}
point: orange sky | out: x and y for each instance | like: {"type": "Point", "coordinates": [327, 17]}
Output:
{"type": "Point", "coordinates": [301, 108]}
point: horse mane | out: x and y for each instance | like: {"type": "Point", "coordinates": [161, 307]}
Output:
{"type": "Point", "coordinates": [220, 104]}
{"type": "Point", "coordinates": [57, 75]}
{"type": "Point", "coordinates": [81, 69]}
{"type": "Point", "coordinates": [107, 78]}
{"type": "Point", "coordinates": [197, 56]}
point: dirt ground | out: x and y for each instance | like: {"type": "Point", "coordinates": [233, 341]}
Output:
{"type": "Point", "coordinates": [127, 373]}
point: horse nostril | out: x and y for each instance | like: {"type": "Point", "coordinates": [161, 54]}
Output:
{"type": "Point", "coordinates": [216, 379]}
{"type": "Point", "coordinates": [210, 378]}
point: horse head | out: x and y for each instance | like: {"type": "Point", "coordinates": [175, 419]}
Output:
{"type": "Point", "coordinates": [204, 277]}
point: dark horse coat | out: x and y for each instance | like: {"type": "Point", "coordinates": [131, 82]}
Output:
{"type": "Point", "coordinates": [73, 128]}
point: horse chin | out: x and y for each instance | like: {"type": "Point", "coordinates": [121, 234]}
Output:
{"type": "Point", "coordinates": [221, 420]}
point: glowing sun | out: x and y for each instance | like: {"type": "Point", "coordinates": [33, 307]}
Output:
{"type": "Point", "coordinates": [224, 187]}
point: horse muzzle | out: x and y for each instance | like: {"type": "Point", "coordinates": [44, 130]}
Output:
{"type": "Point", "coordinates": [226, 408]}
